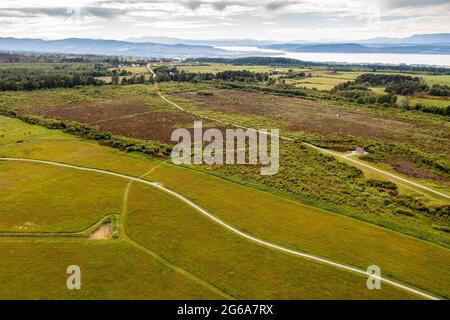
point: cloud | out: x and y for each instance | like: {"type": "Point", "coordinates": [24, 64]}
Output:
{"type": "Point", "coordinates": [275, 5]}
{"type": "Point", "coordinates": [29, 12]}
{"type": "Point", "coordinates": [415, 3]}
{"type": "Point", "coordinates": [33, 12]}
{"type": "Point", "coordinates": [259, 19]}
{"type": "Point", "coordinates": [193, 5]}
{"type": "Point", "coordinates": [103, 12]}
{"type": "Point", "coordinates": [188, 24]}
{"type": "Point", "coordinates": [221, 5]}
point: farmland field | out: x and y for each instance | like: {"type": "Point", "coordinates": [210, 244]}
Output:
{"type": "Point", "coordinates": [320, 83]}
{"type": "Point", "coordinates": [431, 101]}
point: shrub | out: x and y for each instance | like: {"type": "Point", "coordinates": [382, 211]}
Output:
{"type": "Point", "coordinates": [441, 228]}
{"type": "Point", "coordinates": [205, 93]}
{"type": "Point", "coordinates": [404, 212]}
{"type": "Point", "coordinates": [382, 184]}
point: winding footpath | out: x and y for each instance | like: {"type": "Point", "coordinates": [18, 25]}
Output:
{"type": "Point", "coordinates": [232, 229]}
{"type": "Point", "coordinates": [343, 157]}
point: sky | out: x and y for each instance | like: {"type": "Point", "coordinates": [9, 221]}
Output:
{"type": "Point", "coordinates": [311, 20]}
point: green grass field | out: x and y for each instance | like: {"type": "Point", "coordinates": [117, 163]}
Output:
{"type": "Point", "coordinates": [322, 82]}
{"type": "Point", "coordinates": [298, 226]}
{"type": "Point", "coordinates": [85, 95]}
{"type": "Point", "coordinates": [241, 268]}
{"type": "Point", "coordinates": [182, 237]}
{"type": "Point", "coordinates": [36, 269]}
{"type": "Point", "coordinates": [431, 101]}
{"type": "Point", "coordinates": [78, 200]}
{"type": "Point", "coordinates": [314, 86]}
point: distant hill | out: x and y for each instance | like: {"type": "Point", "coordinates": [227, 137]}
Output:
{"type": "Point", "coordinates": [213, 42]}
{"type": "Point", "coordinates": [180, 48]}
{"type": "Point", "coordinates": [366, 48]}
{"type": "Point", "coordinates": [109, 47]}
{"type": "Point", "coordinates": [418, 39]}
{"type": "Point", "coordinates": [438, 43]}
{"type": "Point", "coordinates": [333, 47]}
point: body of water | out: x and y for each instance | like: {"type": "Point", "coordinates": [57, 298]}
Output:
{"type": "Point", "coordinates": [384, 58]}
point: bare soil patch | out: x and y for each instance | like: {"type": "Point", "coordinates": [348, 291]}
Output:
{"type": "Point", "coordinates": [103, 232]}
{"type": "Point", "coordinates": [410, 169]}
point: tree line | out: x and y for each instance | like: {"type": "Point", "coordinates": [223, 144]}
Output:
{"type": "Point", "coordinates": [25, 79]}
{"type": "Point", "coordinates": [440, 90]}
{"type": "Point", "coordinates": [171, 73]}
{"type": "Point", "coordinates": [115, 79]}
{"type": "Point", "coordinates": [395, 84]}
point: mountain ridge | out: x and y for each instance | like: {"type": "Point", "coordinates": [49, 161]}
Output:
{"type": "Point", "coordinates": [426, 44]}
{"type": "Point", "coordinates": [107, 47]}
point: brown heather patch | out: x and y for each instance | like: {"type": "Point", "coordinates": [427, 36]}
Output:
{"type": "Point", "coordinates": [301, 114]}
{"type": "Point", "coordinates": [412, 170]}
{"type": "Point", "coordinates": [135, 120]}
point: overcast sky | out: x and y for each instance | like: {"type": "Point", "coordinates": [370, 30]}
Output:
{"type": "Point", "coordinates": [221, 19]}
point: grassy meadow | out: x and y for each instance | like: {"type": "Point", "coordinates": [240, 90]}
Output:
{"type": "Point", "coordinates": [158, 223]}
{"type": "Point", "coordinates": [237, 266]}
{"type": "Point", "coordinates": [78, 200]}
{"type": "Point", "coordinates": [110, 269]}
